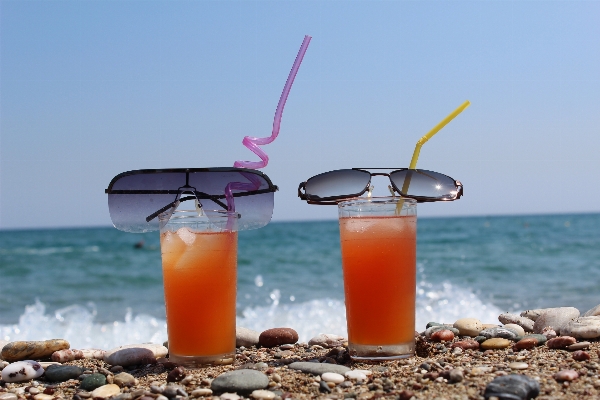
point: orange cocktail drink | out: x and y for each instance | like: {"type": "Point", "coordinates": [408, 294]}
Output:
{"type": "Point", "coordinates": [378, 244]}
{"type": "Point", "coordinates": [199, 273]}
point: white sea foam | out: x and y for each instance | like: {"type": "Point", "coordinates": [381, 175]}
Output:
{"type": "Point", "coordinates": [441, 303]}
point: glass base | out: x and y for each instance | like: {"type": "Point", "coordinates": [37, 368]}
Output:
{"type": "Point", "coordinates": [202, 361]}
{"type": "Point", "coordinates": [362, 352]}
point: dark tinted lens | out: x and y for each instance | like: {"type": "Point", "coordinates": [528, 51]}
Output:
{"type": "Point", "coordinates": [129, 211]}
{"type": "Point", "coordinates": [340, 183]}
{"type": "Point", "coordinates": [423, 183]}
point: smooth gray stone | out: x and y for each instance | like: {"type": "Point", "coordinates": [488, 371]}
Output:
{"type": "Point", "coordinates": [540, 338]}
{"type": "Point", "coordinates": [555, 318]}
{"type": "Point", "coordinates": [62, 373]}
{"type": "Point", "coordinates": [243, 381]}
{"type": "Point", "coordinates": [498, 332]}
{"type": "Point", "coordinates": [512, 387]}
{"type": "Point", "coordinates": [318, 369]}
{"type": "Point", "coordinates": [92, 381]}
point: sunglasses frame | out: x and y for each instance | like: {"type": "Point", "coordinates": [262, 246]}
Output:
{"type": "Point", "coordinates": [334, 200]}
{"type": "Point", "coordinates": [187, 171]}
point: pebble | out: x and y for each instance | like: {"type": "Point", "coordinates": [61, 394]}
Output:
{"type": "Point", "coordinates": [135, 354]}
{"type": "Point", "coordinates": [262, 394]}
{"type": "Point", "coordinates": [277, 336]}
{"type": "Point", "coordinates": [466, 344]}
{"type": "Point", "coordinates": [176, 374]}
{"type": "Point", "coordinates": [512, 319]}
{"type": "Point", "coordinates": [566, 375]}
{"type": "Point", "coordinates": [65, 355]}
{"type": "Point", "coordinates": [532, 314]}
{"type": "Point", "coordinates": [96, 354]}
{"type": "Point", "coordinates": [468, 326]}
{"type": "Point", "coordinates": [431, 330]}
{"type": "Point", "coordinates": [327, 340]}
{"type": "Point", "coordinates": [202, 392]}
{"type": "Point", "coordinates": [442, 335]}
{"type": "Point", "coordinates": [246, 337]}
{"type": "Point", "coordinates": [21, 350]}
{"type": "Point", "coordinates": [43, 396]}
{"type": "Point", "coordinates": [356, 375]}
{"type": "Point", "coordinates": [229, 396]}
{"type": "Point", "coordinates": [286, 347]}
{"type": "Point", "coordinates": [455, 375]}
{"type": "Point", "coordinates": [21, 371]}
{"type": "Point", "coordinates": [526, 343]}
{"type": "Point", "coordinates": [495, 343]}
{"type": "Point", "coordinates": [561, 342]}
{"type": "Point", "coordinates": [124, 379]}
{"type": "Point", "coordinates": [318, 368]}
{"type": "Point", "coordinates": [498, 332]}
{"type": "Point", "coordinates": [332, 377]}
{"type": "Point", "coordinates": [171, 391]}
{"type": "Point", "coordinates": [518, 329]}
{"type": "Point", "coordinates": [592, 312]}
{"type": "Point", "coordinates": [579, 346]}
{"type": "Point", "coordinates": [581, 355]}
{"type": "Point", "coordinates": [243, 381]}
{"type": "Point", "coordinates": [106, 391]}
{"type": "Point", "coordinates": [549, 333]}
{"type": "Point", "coordinates": [540, 338]}
{"type": "Point", "coordinates": [582, 328]}
{"type": "Point", "coordinates": [513, 387]}
{"type": "Point", "coordinates": [62, 373]}
{"type": "Point", "coordinates": [554, 318]}
{"type": "Point", "coordinates": [8, 396]}
{"type": "Point", "coordinates": [518, 365]}
{"type": "Point", "coordinates": [92, 381]}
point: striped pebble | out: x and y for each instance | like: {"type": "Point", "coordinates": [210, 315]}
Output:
{"type": "Point", "coordinates": [332, 377]}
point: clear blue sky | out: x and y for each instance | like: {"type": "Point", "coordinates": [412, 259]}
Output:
{"type": "Point", "coordinates": [93, 88]}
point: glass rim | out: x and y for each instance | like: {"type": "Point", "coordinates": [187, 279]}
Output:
{"type": "Point", "coordinates": [377, 200]}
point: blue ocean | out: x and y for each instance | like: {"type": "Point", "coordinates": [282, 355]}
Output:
{"type": "Point", "coordinates": [95, 288]}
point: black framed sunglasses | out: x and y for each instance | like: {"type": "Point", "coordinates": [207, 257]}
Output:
{"type": "Point", "coordinates": [136, 199]}
{"type": "Point", "coordinates": [419, 184]}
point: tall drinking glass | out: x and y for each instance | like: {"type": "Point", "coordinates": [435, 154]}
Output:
{"type": "Point", "coordinates": [378, 243]}
{"type": "Point", "coordinates": [199, 260]}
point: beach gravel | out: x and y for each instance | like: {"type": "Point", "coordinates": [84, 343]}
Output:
{"type": "Point", "coordinates": [436, 372]}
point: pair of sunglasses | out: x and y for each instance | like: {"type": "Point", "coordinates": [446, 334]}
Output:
{"type": "Point", "coordinates": [143, 200]}
{"type": "Point", "coordinates": [419, 184]}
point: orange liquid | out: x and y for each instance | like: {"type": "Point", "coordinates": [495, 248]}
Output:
{"type": "Point", "coordinates": [379, 261]}
{"type": "Point", "coordinates": [200, 288]}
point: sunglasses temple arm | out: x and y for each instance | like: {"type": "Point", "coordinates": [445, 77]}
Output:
{"type": "Point", "coordinates": [162, 210]}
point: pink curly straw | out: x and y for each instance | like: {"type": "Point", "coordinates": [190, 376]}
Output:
{"type": "Point", "coordinates": [252, 143]}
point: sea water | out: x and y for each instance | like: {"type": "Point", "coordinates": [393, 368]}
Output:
{"type": "Point", "coordinates": [97, 289]}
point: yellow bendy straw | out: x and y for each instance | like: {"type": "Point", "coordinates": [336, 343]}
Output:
{"type": "Point", "coordinates": [422, 141]}
{"type": "Point", "coordinates": [436, 129]}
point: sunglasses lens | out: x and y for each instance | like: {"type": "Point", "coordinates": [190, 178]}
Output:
{"type": "Point", "coordinates": [136, 199]}
{"type": "Point", "coordinates": [334, 184]}
{"type": "Point", "coordinates": [422, 183]}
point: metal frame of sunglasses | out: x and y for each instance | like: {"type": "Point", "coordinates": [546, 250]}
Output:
{"type": "Point", "coordinates": [223, 196]}
{"type": "Point", "coordinates": [335, 199]}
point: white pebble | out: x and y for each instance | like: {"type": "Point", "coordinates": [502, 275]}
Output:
{"type": "Point", "coordinates": [356, 375]}
{"type": "Point", "coordinates": [229, 396]}
{"type": "Point", "coordinates": [21, 371]}
{"type": "Point", "coordinates": [332, 377]}
{"type": "Point", "coordinates": [43, 396]}
{"type": "Point", "coordinates": [263, 394]}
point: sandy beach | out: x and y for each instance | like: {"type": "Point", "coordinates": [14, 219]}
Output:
{"type": "Point", "coordinates": [438, 371]}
